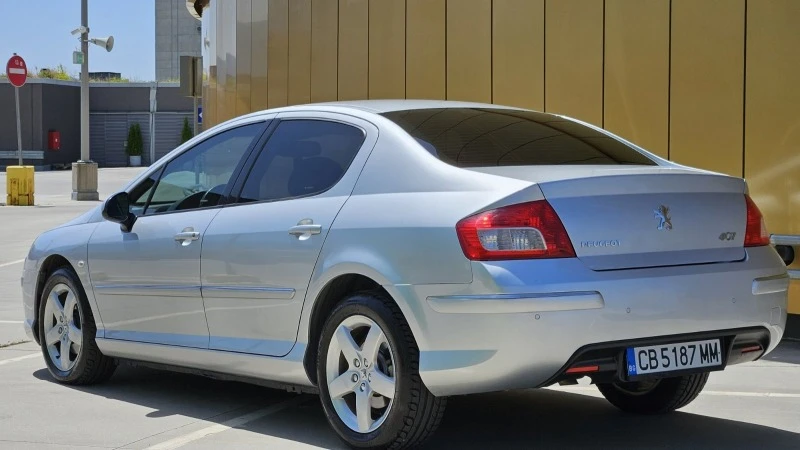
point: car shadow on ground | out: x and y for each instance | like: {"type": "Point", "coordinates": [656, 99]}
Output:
{"type": "Point", "coordinates": [788, 351]}
{"type": "Point", "coordinates": [509, 420]}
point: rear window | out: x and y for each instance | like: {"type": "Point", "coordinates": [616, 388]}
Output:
{"type": "Point", "coordinates": [475, 137]}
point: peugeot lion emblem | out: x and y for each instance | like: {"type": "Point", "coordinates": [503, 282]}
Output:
{"type": "Point", "coordinates": [664, 220]}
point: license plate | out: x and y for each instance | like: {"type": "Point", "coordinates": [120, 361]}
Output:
{"type": "Point", "coordinates": [671, 357]}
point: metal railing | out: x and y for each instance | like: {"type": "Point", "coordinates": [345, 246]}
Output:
{"type": "Point", "coordinates": [789, 240]}
{"type": "Point", "coordinates": [785, 239]}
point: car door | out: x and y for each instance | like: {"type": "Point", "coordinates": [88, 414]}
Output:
{"type": "Point", "coordinates": [258, 255]}
{"type": "Point", "coordinates": [147, 281]}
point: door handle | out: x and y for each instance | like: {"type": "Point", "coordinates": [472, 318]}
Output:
{"type": "Point", "coordinates": [305, 229]}
{"type": "Point", "coordinates": [186, 236]}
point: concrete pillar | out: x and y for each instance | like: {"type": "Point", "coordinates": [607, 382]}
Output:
{"type": "Point", "coordinates": [84, 181]}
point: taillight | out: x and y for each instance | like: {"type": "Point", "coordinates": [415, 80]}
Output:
{"type": "Point", "coordinates": [756, 234]}
{"type": "Point", "coordinates": [521, 231]}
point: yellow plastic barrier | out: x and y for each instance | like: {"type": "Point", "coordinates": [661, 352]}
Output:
{"type": "Point", "coordinates": [19, 185]}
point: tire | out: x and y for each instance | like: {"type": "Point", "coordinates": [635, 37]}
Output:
{"type": "Point", "coordinates": [404, 421]}
{"type": "Point", "coordinates": [85, 363]}
{"type": "Point", "coordinates": [666, 395]}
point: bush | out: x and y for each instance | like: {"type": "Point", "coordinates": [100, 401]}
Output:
{"type": "Point", "coordinates": [186, 132]}
{"type": "Point", "coordinates": [59, 73]}
{"type": "Point", "coordinates": [134, 145]}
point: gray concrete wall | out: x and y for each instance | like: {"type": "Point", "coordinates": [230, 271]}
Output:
{"type": "Point", "coordinates": [177, 34]}
{"type": "Point", "coordinates": [28, 96]}
{"type": "Point", "coordinates": [60, 111]}
{"type": "Point", "coordinates": [55, 105]}
{"type": "Point", "coordinates": [43, 107]}
{"type": "Point", "coordinates": [170, 99]}
{"type": "Point", "coordinates": [117, 98]}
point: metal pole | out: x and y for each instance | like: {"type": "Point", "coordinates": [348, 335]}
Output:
{"type": "Point", "coordinates": [19, 127]}
{"type": "Point", "coordinates": [194, 121]}
{"type": "Point", "coordinates": [153, 110]}
{"type": "Point", "coordinates": [85, 83]}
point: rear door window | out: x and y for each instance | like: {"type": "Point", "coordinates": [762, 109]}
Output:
{"type": "Point", "coordinates": [477, 137]}
{"type": "Point", "coordinates": [303, 157]}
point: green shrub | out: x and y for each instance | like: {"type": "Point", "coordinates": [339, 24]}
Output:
{"type": "Point", "coordinates": [134, 145]}
{"type": "Point", "coordinates": [186, 132]}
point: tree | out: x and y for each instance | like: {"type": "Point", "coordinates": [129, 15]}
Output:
{"type": "Point", "coordinates": [186, 132]}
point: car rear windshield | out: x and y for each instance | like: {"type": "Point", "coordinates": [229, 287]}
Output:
{"type": "Point", "coordinates": [475, 137]}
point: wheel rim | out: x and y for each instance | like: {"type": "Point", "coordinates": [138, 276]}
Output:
{"type": "Point", "coordinates": [63, 333]}
{"type": "Point", "coordinates": [637, 387]}
{"type": "Point", "coordinates": [360, 372]}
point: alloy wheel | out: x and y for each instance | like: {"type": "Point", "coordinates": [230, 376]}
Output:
{"type": "Point", "coordinates": [360, 372]}
{"type": "Point", "coordinates": [63, 333]}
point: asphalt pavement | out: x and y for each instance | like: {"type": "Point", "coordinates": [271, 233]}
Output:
{"type": "Point", "coordinates": [755, 405]}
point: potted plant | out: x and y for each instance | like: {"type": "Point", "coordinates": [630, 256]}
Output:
{"type": "Point", "coordinates": [134, 145]}
{"type": "Point", "coordinates": [186, 131]}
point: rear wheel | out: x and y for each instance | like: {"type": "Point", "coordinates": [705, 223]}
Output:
{"type": "Point", "coordinates": [67, 330]}
{"type": "Point", "coordinates": [368, 374]}
{"type": "Point", "coordinates": [654, 396]}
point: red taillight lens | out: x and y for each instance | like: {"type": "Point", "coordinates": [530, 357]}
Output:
{"type": "Point", "coordinates": [522, 231]}
{"type": "Point", "coordinates": [756, 234]}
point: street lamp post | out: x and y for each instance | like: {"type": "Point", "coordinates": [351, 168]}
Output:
{"type": "Point", "coordinates": [84, 171]}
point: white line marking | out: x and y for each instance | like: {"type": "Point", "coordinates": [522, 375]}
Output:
{"type": "Point", "coordinates": [12, 263]}
{"type": "Point", "coordinates": [715, 393]}
{"type": "Point", "coordinates": [752, 394]}
{"type": "Point", "coordinates": [12, 321]}
{"type": "Point", "coordinates": [19, 358]}
{"type": "Point", "coordinates": [180, 441]}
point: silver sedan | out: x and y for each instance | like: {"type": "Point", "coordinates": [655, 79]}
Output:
{"type": "Point", "coordinates": [389, 254]}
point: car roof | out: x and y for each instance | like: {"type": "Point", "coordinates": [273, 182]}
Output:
{"type": "Point", "coordinates": [389, 105]}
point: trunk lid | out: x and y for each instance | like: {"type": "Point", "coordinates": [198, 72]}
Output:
{"type": "Point", "coordinates": [635, 217]}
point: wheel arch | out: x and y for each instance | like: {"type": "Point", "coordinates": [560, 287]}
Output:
{"type": "Point", "coordinates": [49, 265]}
{"type": "Point", "coordinates": [331, 291]}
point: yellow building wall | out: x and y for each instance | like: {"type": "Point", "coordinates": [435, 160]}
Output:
{"type": "Point", "coordinates": [425, 49]}
{"type": "Point", "coordinates": [259, 37]}
{"type": "Point", "coordinates": [277, 53]}
{"type": "Point", "coordinates": [707, 83]}
{"type": "Point", "coordinates": [469, 50]}
{"type": "Point", "coordinates": [324, 50]}
{"type": "Point", "coordinates": [243, 56]}
{"type": "Point", "coordinates": [299, 69]}
{"type": "Point", "coordinates": [518, 53]}
{"type": "Point", "coordinates": [573, 59]}
{"type": "Point", "coordinates": [353, 49]}
{"type": "Point", "coordinates": [636, 72]}
{"type": "Point", "coordinates": [387, 49]}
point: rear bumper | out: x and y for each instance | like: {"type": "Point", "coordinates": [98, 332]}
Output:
{"type": "Point", "coordinates": [493, 334]}
{"type": "Point", "coordinates": [607, 362]}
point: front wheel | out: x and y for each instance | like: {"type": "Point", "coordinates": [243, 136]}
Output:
{"type": "Point", "coordinates": [654, 396]}
{"type": "Point", "coordinates": [67, 330]}
{"type": "Point", "coordinates": [368, 374]}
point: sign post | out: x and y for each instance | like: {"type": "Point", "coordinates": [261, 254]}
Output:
{"type": "Point", "coordinates": [19, 179]}
{"type": "Point", "coordinates": [17, 73]}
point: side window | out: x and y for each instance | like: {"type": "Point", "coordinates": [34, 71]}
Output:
{"type": "Point", "coordinates": [302, 157]}
{"type": "Point", "coordinates": [198, 177]}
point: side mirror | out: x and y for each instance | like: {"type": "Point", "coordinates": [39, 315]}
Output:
{"type": "Point", "coordinates": [118, 209]}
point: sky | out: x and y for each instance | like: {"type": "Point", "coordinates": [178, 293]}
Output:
{"type": "Point", "coordinates": [39, 31]}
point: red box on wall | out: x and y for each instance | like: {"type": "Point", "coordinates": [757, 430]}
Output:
{"type": "Point", "coordinates": [54, 140]}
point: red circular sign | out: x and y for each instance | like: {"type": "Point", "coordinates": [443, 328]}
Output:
{"type": "Point", "coordinates": [17, 71]}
